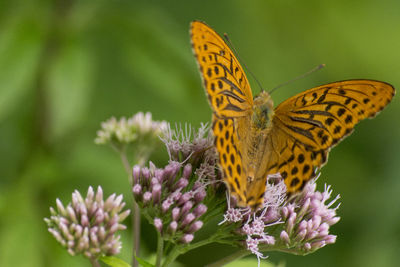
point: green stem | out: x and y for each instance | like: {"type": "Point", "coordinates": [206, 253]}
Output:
{"type": "Point", "coordinates": [234, 256]}
{"type": "Point", "coordinates": [160, 247]}
{"type": "Point", "coordinates": [244, 252]}
{"type": "Point", "coordinates": [136, 232]}
{"type": "Point", "coordinates": [172, 256]}
{"type": "Point", "coordinates": [125, 162]}
{"type": "Point", "coordinates": [292, 251]}
{"type": "Point", "coordinates": [136, 212]}
{"type": "Point", "coordinates": [181, 249]}
{"type": "Point", "coordinates": [94, 262]}
{"type": "Point", "coordinates": [142, 153]}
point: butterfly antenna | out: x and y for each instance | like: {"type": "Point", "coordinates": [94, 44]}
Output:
{"type": "Point", "coordinates": [244, 64]}
{"type": "Point", "coordinates": [298, 77]}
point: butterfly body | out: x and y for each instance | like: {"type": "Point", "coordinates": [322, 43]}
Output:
{"type": "Point", "coordinates": [263, 112]}
{"type": "Point", "coordinates": [255, 140]}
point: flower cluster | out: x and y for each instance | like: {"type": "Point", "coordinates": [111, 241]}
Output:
{"type": "Point", "coordinates": [173, 197]}
{"type": "Point", "coordinates": [125, 131]}
{"type": "Point", "coordinates": [88, 226]}
{"type": "Point", "coordinates": [307, 220]}
{"type": "Point", "coordinates": [300, 225]}
{"type": "Point", "coordinates": [186, 142]}
{"type": "Point", "coordinates": [170, 199]}
{"type": "Point", "coordinates": [254, 225]}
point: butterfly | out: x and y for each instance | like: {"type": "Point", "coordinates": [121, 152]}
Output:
{"type": "Point", "coordinates": [254, 140]}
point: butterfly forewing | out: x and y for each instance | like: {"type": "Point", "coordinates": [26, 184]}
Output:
{"type": "Point", "coordinates": [230, 98]}
{"type": "Point", "coordinates": [317, 119]}
{"type": "Point", "coordinates": [226, 85]}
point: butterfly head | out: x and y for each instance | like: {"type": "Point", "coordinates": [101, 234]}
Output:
{"type": "Point", "coordinates": [263, 111]}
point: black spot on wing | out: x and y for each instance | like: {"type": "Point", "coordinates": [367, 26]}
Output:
{"type": "Point", "coordinates": [237, 183]}
{"type": "Point", "coordinates": [230, 170]}
{"type": "Point", "coordinates": [238, 169]}
{"type": "Point", "coordinates": [306, 168]}
{"type": "Point", "coordinates": [300, 158]}
{"type": "Point", "coordinates": [329, 121]}
{"type": "Point", "coordinates": [294, 181]}
{"type": "Point", "coordinates": [220, 126]}
{"type": "Point", "coordinates": [341, 111]}
{"type": "Point", "coordinates": [349, 119]}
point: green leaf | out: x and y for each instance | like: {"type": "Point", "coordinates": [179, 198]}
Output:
{"type": "Point", "coordinates": [143, 262]}
{"type": "Point", "coordinates": [114, 261]}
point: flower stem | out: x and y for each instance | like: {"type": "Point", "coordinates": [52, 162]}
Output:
{"type": "Point", "coordinates": [172, 256]}
{"type": "Point", "coordinates": [136, 232]}
{"type": "Point", "coordinates": [160, 247]}
{"type": "Point", "coordinates": [125, 161]}
{"type": "Point", "coordinates": [180, 249]}
{"type": "Point", "coordinates": [95, 262]}
{"type": "Point", "coordinates": [235, 256]}
{"type": "Point", "coordinates": [136, 212]}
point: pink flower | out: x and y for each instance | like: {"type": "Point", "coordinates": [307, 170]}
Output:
{"type": "Point", "coordinates": [87, 226]}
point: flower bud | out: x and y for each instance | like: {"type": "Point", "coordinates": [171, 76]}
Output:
{"type": "Point", "coordinates": [285, 237]}
{"type": "Point", "coordinates": [137, 190]}
{"type": "Point", "coordinates": [187, 171]}
{"type": "Point", "coordinates": [147, 197]}
{"type": "Point", "coordinates": [187, 219]}
{"type": "Point", "coordinates": [136, 174]}
{"type": "Point", "coordinates": [200, 210]}
{"type": "Point", "coordinates": [195, 226]}
{"type": "Point", "coordinates": [158, 224]}
{"type": "Point", "coordinates": [176, 213]}
{"type": "Point", "coordinates": [186, 207]}
{"type": "Point", "coordinates": [187, 238]}
{"type": "Point", "coordinates": [156, 193]}
{"type": "Point", "coordinates": [200, 195]}
{"type": "Point", "coordinates": [172, 227]}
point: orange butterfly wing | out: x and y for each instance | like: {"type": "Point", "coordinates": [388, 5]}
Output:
{"type": "Point", "coordinates": [230, 158]}
{"type": "Point", "coordinates": [307, 125]}
{"type": "Point", "coordinates": [226, 85]}
{"type": "Point", "coordinates": [230, 98]}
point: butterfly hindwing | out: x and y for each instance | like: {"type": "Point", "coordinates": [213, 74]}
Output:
{"type": "Point", "coordinates": [291, 159]}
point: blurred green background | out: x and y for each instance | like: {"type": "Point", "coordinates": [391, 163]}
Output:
{"type": "Point", "coordinates": [65, 66]}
